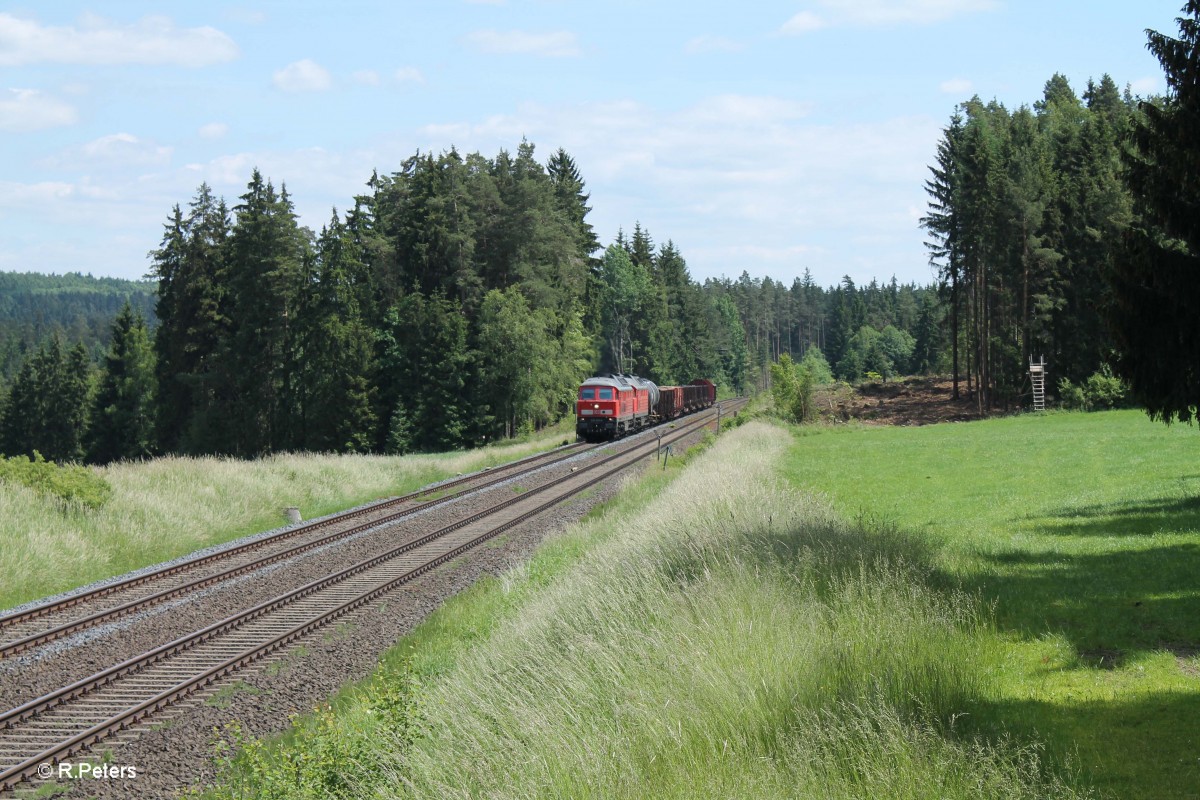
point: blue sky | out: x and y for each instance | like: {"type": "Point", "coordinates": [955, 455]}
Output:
{"type": "Point", "coordinates": [768, 137]}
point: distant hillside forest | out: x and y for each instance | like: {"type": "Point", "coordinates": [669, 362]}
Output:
{"type": "Point", "coordinates": [460, 300]}
{"type": "Point", "coordinates": [73, 307]}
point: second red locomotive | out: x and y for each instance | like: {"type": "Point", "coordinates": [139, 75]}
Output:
{"type": "Point", "coordinates": [611, 406]}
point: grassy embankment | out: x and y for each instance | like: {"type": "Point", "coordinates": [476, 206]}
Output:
{"type": "Point", "coordinates": [167, 507]}
{"type": "Point", "coordinates": [725, 636]}
{"type": "Point", "coordinates": [1084, 532]}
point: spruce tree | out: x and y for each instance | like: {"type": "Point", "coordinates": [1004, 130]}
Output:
{"type": "Point", "coordinates": [122, 420]}
{"type": "Point", "coordinates": [572, 200]}
{"type": "Point", "coordinates": [336, 353]}
{"type": "Point", "coordinates": [191, 267]}
{"type": "Point", "coordinates": [1155, 316]}
{"type": "Point", "coordinates": [47, 410]}
{"type": "Point", "coordinates": [258, 377]}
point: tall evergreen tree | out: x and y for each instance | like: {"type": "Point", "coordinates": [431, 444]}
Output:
{"type": "Point", "coordinates": [335, 349]}
{"type": "Point", "coordinates": [267, 252]}
{"type": "Point", "coordinates": [47, 410]}
{"type": "Point", "coordinates": [1155, 318]}
{"type": "Point", "coordinates": [122, 423]}
{"type": "Point", "coordinates": [425, 369]}
{"type": "Point", "coordinates": [572, 200]}
{"type": "Point", "coordinates": [944, 224]}
{"type": "Point", "coordinates": [193, 320]}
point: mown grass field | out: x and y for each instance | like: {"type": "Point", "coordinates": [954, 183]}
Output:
{"type": "Point", "coordinates": [1083, 533]}
{"type": "Point", "coordinates": [168, 507]}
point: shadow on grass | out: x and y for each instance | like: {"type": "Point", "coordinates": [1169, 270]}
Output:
{"type": "Point", "coordinates": [1142, 747]}
{"type": "Point", "coordinates": [1132, 518]}
{"type": "Point", "coordinates": [1106, 604]}
{"type": "Point", "coordinates": [1114, 602]}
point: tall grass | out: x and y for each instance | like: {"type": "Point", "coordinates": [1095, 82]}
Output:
{"type": "Point", "coordinates": [167, 507]}
{"type": "Point", "coordinates": [731, 639]}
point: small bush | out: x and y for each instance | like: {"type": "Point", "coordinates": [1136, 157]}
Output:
{"type": "Point", "coordinates": [331, 751]}
{"type": "Point", "coordinates": [70, 483]}
{"type": "Point", "coordinates": [1102, 390]}
{"type": "Point", "coordinates": [792, 390]}
{"type": "Point", "coordinates": [814, 361]}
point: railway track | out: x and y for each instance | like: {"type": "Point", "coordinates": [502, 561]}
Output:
{"type": "Point", "coordinates": [75, 717]}
{"type": "Point", "coordinates": [32, 627]}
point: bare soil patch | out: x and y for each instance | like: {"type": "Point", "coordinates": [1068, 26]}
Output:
{"type": "Point", "coordinates": [909, 401]}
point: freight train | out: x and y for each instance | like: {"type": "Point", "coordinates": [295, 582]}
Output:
{"type": "Point", "coordinates": [611, 406]}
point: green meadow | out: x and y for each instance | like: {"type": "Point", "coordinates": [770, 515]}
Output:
{"type": "Point", "coordinates": [1081, 532]}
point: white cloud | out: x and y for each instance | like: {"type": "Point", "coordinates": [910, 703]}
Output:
{"type": "Point", "coordinates": [367, 77]}
{"type": "Point", "coordinates": [738, 182]}
{"type": "Point", "coordinates": [760, 183]}
{"type": "Point", "coordinates": [409, 75]}
{"type": "Point", "coordinates": [25, 110]}
{"type": "Point", "coordinates": [1144, 87]}
{"type": "Point", "coordinates": [803, 22]}
{"type": "Point", "coordinates": [125, 149]}
{"type": "Point", "coordinates": [557, 44]}
{"type": "Point", "coordinates": [303, 76]}
{"type": "Point", "coordinates": [712, 44]}
{"type": "Point", "coordinates": [112, 153]}
{"type": "Point", "coordinates": [882, 13]}
{"type": "Point", "coordinates": [152, 40]}
{"type": "Point", "coordinates": [956, 86]}
{"type": "Point", "coordinates": [213, 130]}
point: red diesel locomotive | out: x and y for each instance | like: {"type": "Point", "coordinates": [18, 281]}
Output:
{"type": "Point", "coordinates": [611, 406]}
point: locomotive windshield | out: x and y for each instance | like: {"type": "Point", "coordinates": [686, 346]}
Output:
{"type": "Point", "coordinates": [589, 393]}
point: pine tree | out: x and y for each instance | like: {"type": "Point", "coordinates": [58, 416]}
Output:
{"type": "Point", "coordinates": [1155, 317]}
{"type": "Point", "coordinates": [23, 412]}
{"type": "Point", "coordinates": [424, 370]}
{"type": "Point", "coordinates": [122, 425]}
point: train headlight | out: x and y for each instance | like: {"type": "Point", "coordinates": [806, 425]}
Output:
{"type": "Point", "coordinates": [595, 405]}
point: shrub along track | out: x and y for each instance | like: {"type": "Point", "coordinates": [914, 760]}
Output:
{"type": "Point", "coordinates": [126, 696]}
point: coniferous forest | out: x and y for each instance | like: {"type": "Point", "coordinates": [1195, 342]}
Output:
{"type": "Point", "coordinates": [460, 300]}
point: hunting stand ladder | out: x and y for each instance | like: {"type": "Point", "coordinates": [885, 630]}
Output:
{"type": "Point", "coordinates": [1037, 376]}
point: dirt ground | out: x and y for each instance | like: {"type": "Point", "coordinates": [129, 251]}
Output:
{"type": "Point", "coordinates": [910, 401]}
